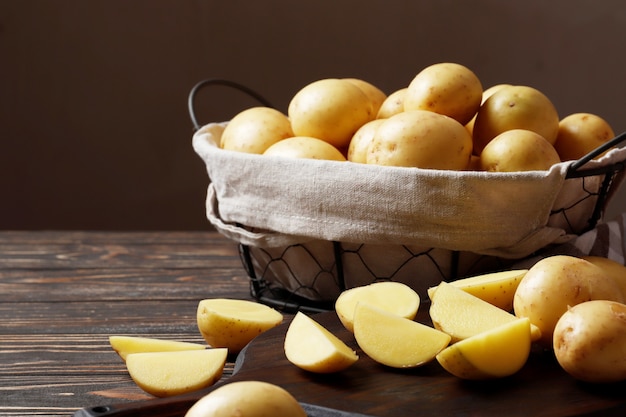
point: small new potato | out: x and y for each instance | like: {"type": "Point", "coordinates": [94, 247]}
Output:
{"type": "Point", "coordinates": [590, 341]}
{"type": "Point", "coordinates": [360, 142]}
{"type": "Point", "coordinates": [486, 94]}
{"type": "Point", "coordinates": [612, 268]}
{"type": "Point", "coordinates": [375, 95]}
{"type": "Point", "coordinates": [305, 147]}
{"type": "Point", "coordinates": [518, 150]}
{"type": "Point", "coordinates": [330, 109]}
{"type": "Point", "coordinates": [422, 139]}
{"type": "Point", "coordinates": [554, 284]}
{"type": "Point", "coordinates": [515, 107]}
{"type": "Point", "coordinates": [581, 133]}
{"type": "Point", "coordinates": [446, 88]}
{"type": "Point", "coordinates": [393, 104]}
{"type": "Point", "coordinates": [247, 399]}
{"type": "Point", "coordinates": [255, 129]}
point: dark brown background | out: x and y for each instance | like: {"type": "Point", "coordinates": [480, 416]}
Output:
{"type": "Point", "coordinates": [94, 127]}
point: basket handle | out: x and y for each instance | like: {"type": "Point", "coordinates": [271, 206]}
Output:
{"type": "Point", "coordinates": [223, 82]}
{"type": "Point", "coordinates": [574, 170]}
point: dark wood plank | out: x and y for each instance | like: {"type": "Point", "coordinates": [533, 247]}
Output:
{"type": "Point", "coordinates": [122, 284]}
{"type": "Point", "coordinates": [74, 250]}
{"type": "Point", "coordinates": [62, 294]}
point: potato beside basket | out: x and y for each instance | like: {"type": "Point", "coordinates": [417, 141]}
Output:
{"type": "Point", "coordinates": [308, 229]}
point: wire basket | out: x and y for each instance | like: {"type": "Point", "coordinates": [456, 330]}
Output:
{"type": "Point", "coordinates": [309, 276]}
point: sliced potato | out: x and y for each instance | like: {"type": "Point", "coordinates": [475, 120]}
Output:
{"type": "Point", "coordinates": [463, 315]}
{"type": "Point", "coordinates": [497, 288]}
{"type": "Point", "coordinates": [233, 323]}
{"type": "Point", "coordinates": [396, 341]}
{"type": "Point", "coordinates": [310, 346]}
{"type": "Point", "coordinates": [496, 353]}
{"type": "Point", "coordinates": [394, 297]}
{"type": "Point", "coordinates": [125, 345]}
{"type": "Point", "coordinates": [164, 374]}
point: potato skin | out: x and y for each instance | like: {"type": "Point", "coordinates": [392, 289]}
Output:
{"type": "Point", "coordinates": [555, 283]}
{"type": "Point", "coordinates": [247, 399]}
{"type": "Point", "coordinates": [590, 341]}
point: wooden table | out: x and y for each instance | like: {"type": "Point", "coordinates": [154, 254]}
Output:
{"type": "Point", "coordinates": [62, 294]}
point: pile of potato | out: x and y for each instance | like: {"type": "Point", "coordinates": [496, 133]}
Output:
{"type": "Point", "coordinates": [483, 327]}
{"type": "Point", "coordinates": [443, 119]}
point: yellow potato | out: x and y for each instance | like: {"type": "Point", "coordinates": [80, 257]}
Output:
{"type": "Point", "coordinates": [515, 107]}
{"type": "Point", "coordinates": [394, 297]}
{"type": "Point", "coordinates": [233, 323]}
{"type": "Point", "coordinates": [581, 133]}
{"type": "Point", "coordinates": [305, 147]}
{"type": "Point", "coordinates": [330, 109]}
{"type": "Point", "coordinates": [125, 345]}
{"type": "Point", "coordinates": [310, 346]}
{"type": "Point", "coordinates": [164, 374]}
{"type": "Point", "coordinates": [590, 341]}
{"type": "Point", "coordinates": [247, 399]}
{"type": "Point", "coordinates": [555, 283]}
{"type": "Point", "coordinates": [497, 288]}
{"type": "Point", "coordinates": [393, 104]}
{"type": "Point", "coordinates": [486, 94]}
{"type": "Point", "coordinates": [518, 150]}
{"type": "Point", "coordinates": [421, 139]}
{"type": "Point", "coordinates": [396, 341]}
{"type": "Point", "coordinates": [360, 142]}
{"type": "Point", "coordinates": [495, 353]}
{"type": "Point", "coordinates": [463, 315]}
{"type": "Point", "coordinates": [612, 268]}
{"type": "Point", "coordinates": [446, 88]}
{"type": "Point", "coordinates": [255, 129]}
{"type": "Point", "coordinates": [375, 95]}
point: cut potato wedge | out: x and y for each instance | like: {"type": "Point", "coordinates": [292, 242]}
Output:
{"type": "Point", "coordinates": [394, 297]}
{"type": "Point", "coordinates": [310, 346]}
{"type": "Point", "coordinates": [396, 341]}
{"type": "Point", "coordinates": [125, 345]}
{"type": "Point", "coordinates": [497, 288]}
{"type": "Point", "coordinates": [463, 315]}
{"type": "Point", "coordinates": [496, 353]}
{"type": "Point", "coordinates": [164, 374]}
{"type": "Point", "coordinates": [233, 323]}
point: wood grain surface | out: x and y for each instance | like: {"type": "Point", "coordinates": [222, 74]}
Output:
{"type": "Point", "coordinates": [62, 294]}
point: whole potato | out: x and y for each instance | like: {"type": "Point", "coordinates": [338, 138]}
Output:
{"type": "Point", "coordinates": [253, 130]}
{"type": "Point", "coordinates": [614, 269]}
{"type": "Point", "coordinates": [590, 341]}
{"type": "Point", "coordinates": [360, 142]}
{"type": "Point", "coordinates": [393, 104]}
{"type": "Point", "coordinates": [446, 88]}
{"type": "Point", "coordinates": [554, 284]}
{"type": "Point", "coordinates": [305, 147]}
{"type": "Point", "coordinates": [247, 399]}
{"type": "Point", "coordinates": [330, 109]}
{"type": "Point", "coordinates": [422, 139]}
{"type": "Point", "coordinates": [518, 150]}
{"type": "Point", "coordinates": [375, 95]}
{"type": "Point", "coordinates": [581, 133]}
{"type": "Point", "coordinates": [515, 107]}
{"type": "Point", "coordinates": [486, 94]}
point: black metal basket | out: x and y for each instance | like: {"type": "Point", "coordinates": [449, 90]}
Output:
{"type": "Point", "coordinates": [334, 262]}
